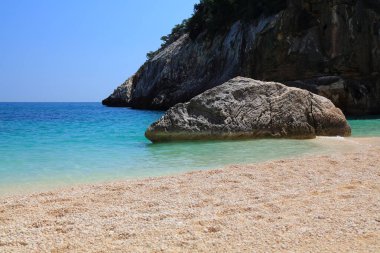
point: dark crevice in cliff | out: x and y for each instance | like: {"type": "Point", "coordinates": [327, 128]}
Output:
{"type": "Point", "coordinates": [270, 114]}
{"type": "Point", "coordinates": [314, 124]}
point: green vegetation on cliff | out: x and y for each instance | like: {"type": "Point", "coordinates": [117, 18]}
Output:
{"type": "Point", "coordinates": [216, 15]}
{"type": "Point", "coordinates": [213, 16]}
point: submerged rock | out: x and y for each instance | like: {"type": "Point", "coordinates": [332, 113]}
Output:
{"type": "Point", "coordinates": [245, 108]}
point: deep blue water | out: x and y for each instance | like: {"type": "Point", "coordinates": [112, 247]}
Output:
{"type": "Point", "coordinates": [46, 145]}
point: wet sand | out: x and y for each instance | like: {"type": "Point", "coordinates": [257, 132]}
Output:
{"type": "Point", "coordinates": [325, 203]}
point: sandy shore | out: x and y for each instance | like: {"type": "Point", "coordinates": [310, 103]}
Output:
{"type": "Point", "coordinates": [329, 203]}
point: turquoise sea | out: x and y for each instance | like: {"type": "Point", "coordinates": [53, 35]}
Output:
{"type": "Point", "coordinates": [49, 145]}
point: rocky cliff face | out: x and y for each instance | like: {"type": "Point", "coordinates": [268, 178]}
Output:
{"type": "Point", "coordinates": [331, 48]}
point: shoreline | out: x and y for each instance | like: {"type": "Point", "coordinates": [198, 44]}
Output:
{"type": "Point", "coordinates": [327, 143]}
{"type": "Point", "coordinates": [316, 202]}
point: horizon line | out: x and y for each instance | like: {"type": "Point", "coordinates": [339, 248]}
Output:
{"type": "Point", "coordinates": [50, 101]}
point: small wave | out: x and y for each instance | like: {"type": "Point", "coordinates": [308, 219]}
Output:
{"type": "Point", "coordinates": [332, 138]}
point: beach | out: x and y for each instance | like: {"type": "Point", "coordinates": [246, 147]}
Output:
{"type": "Point", "coordinates": [320, 203]}
{"type": "Point", "coordinates": [190, 126]}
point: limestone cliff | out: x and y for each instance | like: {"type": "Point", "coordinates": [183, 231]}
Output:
{"type": "Point", "coordinates": [331, 48]}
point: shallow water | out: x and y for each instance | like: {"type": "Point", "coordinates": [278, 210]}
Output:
{"type": "Point", "coordinates": [365, 126]}
{"type": "Point", "coordinates": [48, 145]}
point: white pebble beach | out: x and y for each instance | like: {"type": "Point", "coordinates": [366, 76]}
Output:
{"type": "Point", "coordinates": [325, 203]}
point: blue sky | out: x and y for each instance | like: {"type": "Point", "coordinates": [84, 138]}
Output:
{"type": "Point", "coordinates": [78, 50]}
